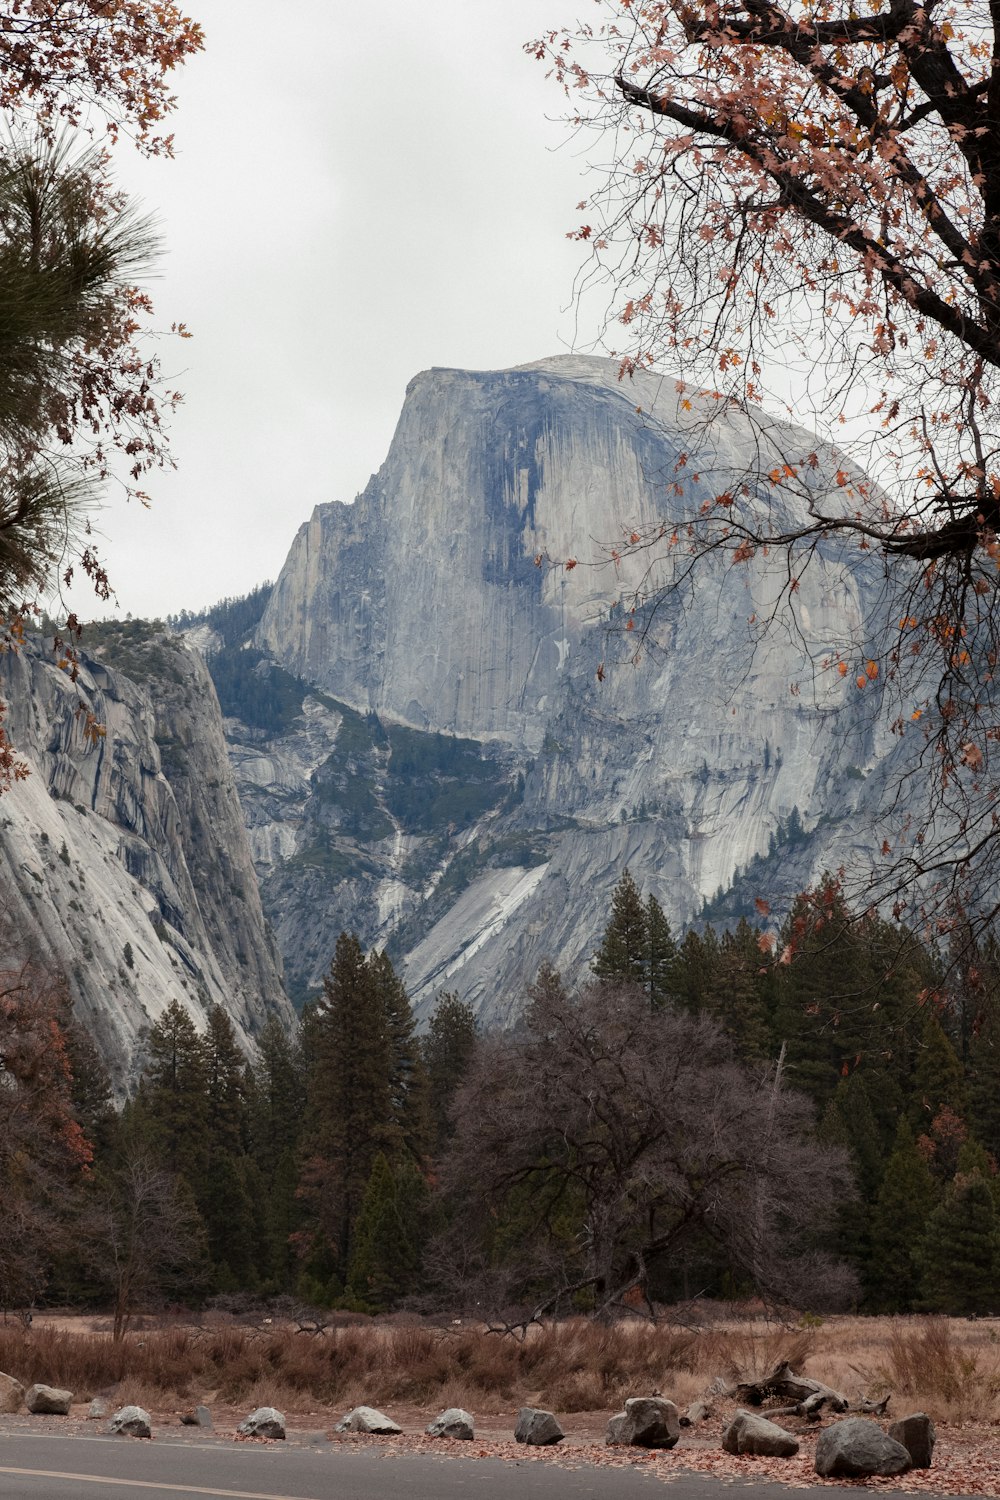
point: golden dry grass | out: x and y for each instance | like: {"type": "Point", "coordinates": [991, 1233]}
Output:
{"type": "Point", "coordinates": [949, 1368]}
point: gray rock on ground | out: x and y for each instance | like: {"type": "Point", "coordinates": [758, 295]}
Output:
{"type": "Point", "coordinates": [132, 1421]}
{"type": "Point", "coordinates": [539, 1429]}
{"type": "Point", "coordinates": [11, 1394]}
{"type": "Point", "coordinates": [265, 1422]}
{"type": "Point", "coordinates": [696, 1412]}
{"type": "Point", "coordinates": [453, 1423]}
{"type": "Point", "coordinates": [646, 1422]}
{"type": "Point", "coordinates": [97, 1410]}
{"type": "Point", "coordinates": [749, 1433]}
{"type": "Point", "coordinates": [199, 1416]}
{"type": "Point", "coordinates": [368, 1419]}
{"type": "Point", "coordinates": [48, 1400]}
{"type": "Point", "coordinates": [856, 1449]}
{"type": "Point", "coordinates": [917, 1435]}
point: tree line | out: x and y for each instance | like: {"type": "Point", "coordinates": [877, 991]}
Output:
{"type": "Point", "coordinates": [805, 1113]}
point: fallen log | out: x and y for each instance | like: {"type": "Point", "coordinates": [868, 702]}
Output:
{"type": "Point", "coordinates": [810, 1395]}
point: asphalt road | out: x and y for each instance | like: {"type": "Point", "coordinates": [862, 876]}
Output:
{"type": "Point", "coordinates": [43, 1467]}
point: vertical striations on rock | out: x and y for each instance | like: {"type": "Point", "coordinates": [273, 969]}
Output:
{"type": "Point", "coordinates": [123, 856]}
{"type": "Point", "coordinates": [441, 602]}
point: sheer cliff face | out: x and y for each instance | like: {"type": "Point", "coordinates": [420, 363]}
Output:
{"type": "Point", "coordinates": [423, 602]}
{"type": "Point", "coordinates": [124, 856]}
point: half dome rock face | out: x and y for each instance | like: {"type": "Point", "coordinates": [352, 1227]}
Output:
{"type": "Point", "coordinates": [422, 605]}
{"type": "Point", "coordinates": [423, 600]}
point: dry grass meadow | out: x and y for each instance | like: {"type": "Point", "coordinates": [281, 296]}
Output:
{"type": "Point", "coordinates": [947, 1367]}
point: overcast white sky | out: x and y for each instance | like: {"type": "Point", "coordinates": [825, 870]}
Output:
{"type": "Point", "coordinates": [359, 192]}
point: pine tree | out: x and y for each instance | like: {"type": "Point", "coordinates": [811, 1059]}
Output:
{"type": "Point", "coordinates": [407, 1078]}
{"type": "Point", "coordinates": [224, 1068]}
{"type": "Point", "coordinates": [823, 1001]}
{"type": "Point", "coordinates": [276, 1093]}
{"type": "Point", "coordinates": [905, 1202]}
{"type": "Point", "coordinates": [173, 1103]}
{"type": "Point", "coordinates": [661, 955]}
{"type": "Point", "coordinates": [937, 1079]}
{"type": "Point", "coordinates": [961, 1250]}
{"type": "Point", "coordinates": [623, 954]}
{"type": "Point", "coordinates": [350, 1106]}
{"type": "Point", "coordinates": [275, 1089]}
{"type": "Point", "coordinates": [739, 993]}
{"type": "Point", "coordinates": [447, 1049]}
{"type": "Point", "coordinates": [227, 1213]}
{"type": "Point", "coordinates": [385, 1255]}
{"type": "Point", "coordinates": [695, 970]}
{"type": "Point", "coordinates": [849, 1122]}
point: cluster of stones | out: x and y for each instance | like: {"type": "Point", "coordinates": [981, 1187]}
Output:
{"type": "Point", "coordinates": [853, 1448]}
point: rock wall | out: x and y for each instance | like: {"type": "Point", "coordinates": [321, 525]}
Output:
{"type": "Point", "coordinates": [441, 600]}
{"type": "Point", "coordinates": [123, 857]}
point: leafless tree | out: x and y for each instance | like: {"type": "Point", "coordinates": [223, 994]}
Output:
{"type": "Point", "coordinates": [144, 1238]}
{"type": "Point", "coordinates": [611, 1137]}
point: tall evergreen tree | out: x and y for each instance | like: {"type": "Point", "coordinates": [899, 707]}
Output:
{"type": "Point", "coordinates": [623, 953]}
{"type": "Point", "coordinates": [385, 1254]}
{"type": "Point", "coordinates": [905, 1202]}
{"type": "Point", "coordinates": [695, 970]}
{"type": "Point", "coordinates": [448, 1046]}
{"type": "Point", "coordinates": [224, 1069]}
{"type": "Point", "coordinates": [276, 1093]}
{"type": "Point", "coordinates": [937, 1079]}
{"type": "Point", "coordinates": [739, 993]}
{"type": "Point", "coordinates": [407, 1078]}
{"type": "Point", "coordinates": [661, 954]}
{"type": "Point", "coordinates": [171, 1107]}
{"type": "Point", "coordinates": [961, 1250]}
{"type": "Point", "coordinates": [275, 1086]}
{"type": "Point", "coordinates": [350, 1105]}
{"type": "Point", "coordinates": [823, 1002]}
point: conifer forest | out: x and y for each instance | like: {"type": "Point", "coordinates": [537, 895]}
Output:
{"type": "Point", "coordinates": [700, 1119]}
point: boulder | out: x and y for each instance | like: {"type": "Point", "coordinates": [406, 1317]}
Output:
{"type": "Point", "coordinates": [48, 1400]}
{"type": "Point", "coordinates": [199, 1416]}
{"type": "Point", "coordinates": [367, 1419]}
{"type": "Point", "coordinates": [97, 1410]}
{"type": "Point", "coordinates": [646, 1422]}
{"type": "Point", "coordinates": [618, 1431]}
{"type": "Point", "coordinates": [453, 1423]}
{"type": "Point", "coordinates": [696, 1412]}
{"type": "Point", "coordinates": [132, 1421]}
{"type": "Point", "coordinates": [265, 1422]}
{"type": "Point", "coordinates": [537, 1428]}
{"type": "Point", "coordinates": [748, 1433]}
{"type": "Point", "coordinates": [11, 1394]}
{"type": "Point", "coordinates": [856, 1449]}
{"type": "Point", "coordinates": [917, 1435]}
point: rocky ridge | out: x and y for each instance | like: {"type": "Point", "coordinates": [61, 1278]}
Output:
{"type": "Point", "coordinates": [124, 853]}
{"type": "Point", "coordinates": [435, 617]}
